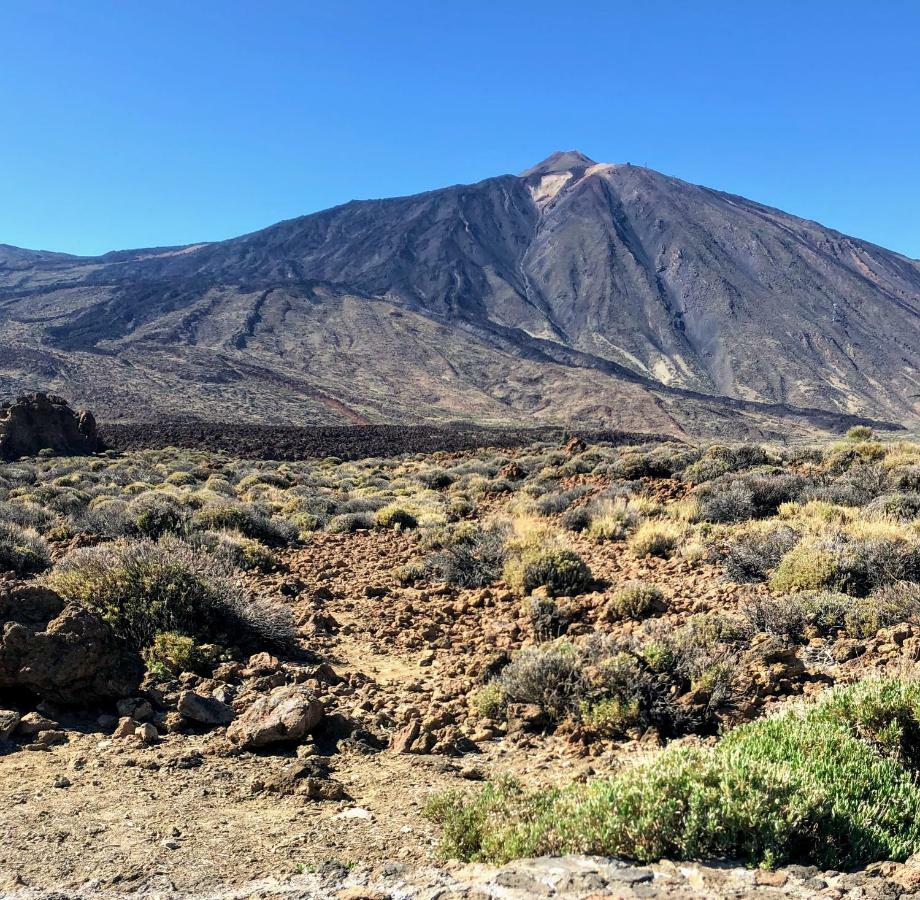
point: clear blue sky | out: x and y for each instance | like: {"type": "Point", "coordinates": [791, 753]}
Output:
{"type": "Point", "coordinates": [131, 124]}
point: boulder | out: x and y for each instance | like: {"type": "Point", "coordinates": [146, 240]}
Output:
{"type": "Point", "coordinates": [61, 651]}
{"type": "Point", "coordinates": [42, 421]}
{"type": "Point", "coordinates": [286, 715]}
{"type": "Point", "coordinates": [204, 710]}
{"type": "Point", "coordinates": [9, 719]}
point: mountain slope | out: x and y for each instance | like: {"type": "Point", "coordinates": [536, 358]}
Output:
{"type": "Point", "coordinates": [608, 294]}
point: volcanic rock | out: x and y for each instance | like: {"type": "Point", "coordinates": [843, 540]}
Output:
{"type": "Point", "coordinates": [286, 715]}
{"type": "Point", "coordinates": [61, 651]}
{"type": "Point", "coordinates": [41, 421]}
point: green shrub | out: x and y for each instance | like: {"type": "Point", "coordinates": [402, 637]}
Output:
{"type": "Point", "coordinates": [389, 517]}
{"type": "Point", "coordinates": [143, 588]}
{"type": "Point", "coordinates": [489, 701]}
{"type": "Point", "coordinates": [22, 551]}
{"type": "Point", "coordinates": [238, 550]}
{"type": "Point", "coordinates": [246, 519]}
{"type": "Point", "coordinates": [832, 785]}
{"type": "Point", "coordinates": [348, 523]}
{"type": "Point", "coordinates": [635, 600]}
{"type": "Point", "coordinates": [812, 565]}
{"type": "Point", "coordinates": [561, 571]}
{"type": "Point", "coordinates": [172, 653]}
{"type": "Point", "coordinates": [156, 513]}
{"type": "Point", "coordinates": [860, 433]}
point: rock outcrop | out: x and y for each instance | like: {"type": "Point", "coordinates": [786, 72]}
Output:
{"type": "Point", "coordinates": [40, 421]}
{"type": "Point", "coordinates": [60, 651]}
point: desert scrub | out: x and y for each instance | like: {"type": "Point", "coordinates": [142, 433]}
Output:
{"type": "Point", "coordinates": [489, 701]}
{"type": "Point", "coordinates": [634, 600]}
{"type": "Point", "coordinates": [236, 549]}
{"type": "Point", "coordinates": [142, 588]}
{"type": "Point", "coordinates": [655, 539]}
{"type": "Point", "coordinates": [752, 553]}
{"type": "Point", "coordinates": [247, 519]}
{"type": "Point", "coordinates": [831, 784]}
{"type": "Point", "coordinates": [811, 565]}
{"type": "Point", "coordinates": [562, 572]}
{"type": "Point", "coordinates": [550, 677]}
{"type": "Point", "coordinates": [347, 523]}
{"type": "Point", "coordinates": [612, 520]}
{"type": "Point", "coordinates": [171, 653]}
{"type": "Point", "coordinates": [598, 675]}
{"type": "Point", "coordinates": [155, 514]}
{"type": "Point", "coordinates": [393, 516]}
{"type": "Point", "coordinates": [548, 619]}
{"type": "Point", "coordinates": [469, 556]}
{"type": "Point", "coordinates": [22, 551]}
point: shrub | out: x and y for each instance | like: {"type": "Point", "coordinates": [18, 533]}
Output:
{"type": "Point", "coordinates": [577, 519]}
{"type": "Point", "coordinates": [22, 551]}
{"type": "Point", "coordinates": [156, 513]}
{"type": "Point", "coordinates": [786, 617]}
{"type": "Point", "coordinates": [728, 501]}
{"type": "Point", "coordinates": [860, 433]}
{"type": "Point", "coordinates": [561, 571]}
{"type": "Point", "coordinates": [246, 519]}
{"type": "Point", "coordinates": [549, 620]}
{"type": "Point", "coordinates": [436, 479]}
{"type": "Point", "coordinates": [755, 552]}
{"type": "Point", "coordinates": [890, 605]}
{"type": "Point", "coordinates": [635, 600]}
{"type": "Point", "coordinates": [611, 520]}
{"type": "Point", "coordinates": [181, 479]}
{"type": "Point", "coordinates": [830, 785]}
{"type": "Point", "coordinates": [239, 551]}
{"type": "Point", "coordinates": [867, 563]}
{"type": "Point", "coordinates": [172, 653]}
{"type": "Point", "coordinates": [655, 539]}
{"type": "Point", "coordinates": [389, 517]}
{"type": "Point", "coordinates": [902, 507]}
{"type": "Point", "coordinates": [812, 565]}
{"type": "Point", "coordinates": [347, 523]}
{"type": "Point", "coordinates": [489, 701]}
{"type": "Point", "coordinates": [548, 676]}
{"type": "Point", "coordinates": [476, 560]}
{"type": "Point", "coordinates": [143, 588]}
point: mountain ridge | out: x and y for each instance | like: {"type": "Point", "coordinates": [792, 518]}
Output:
{"type": "Point", "coordinates": [576, 290]}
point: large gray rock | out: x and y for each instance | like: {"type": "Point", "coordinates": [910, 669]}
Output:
{"type": "Point", "coordinates": [44, 422]}
{"type": "Point", "coordinates": [205, 710]}
{"type": "Point", "coordinates": [61, 652]}
{"type": "Point", "coordinates": [286, 715]}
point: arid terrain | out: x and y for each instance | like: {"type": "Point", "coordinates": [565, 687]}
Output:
{"type": "Point", "coordinates": [655, 669]}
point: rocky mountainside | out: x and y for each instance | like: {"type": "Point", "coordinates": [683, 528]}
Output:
{"type": "Point", "coordinates": [610, 295]}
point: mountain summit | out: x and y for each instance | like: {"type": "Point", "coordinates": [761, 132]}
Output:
{"type": "Point", "coordinates": [577, 291]}
{"type": "Point", "coordinates": [560, 161]}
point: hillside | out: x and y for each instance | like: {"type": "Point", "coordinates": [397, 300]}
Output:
{"type": "Point", "coordinates": [610, 295]}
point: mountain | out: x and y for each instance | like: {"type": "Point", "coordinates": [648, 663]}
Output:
{"type": "Point", "coordinates": [610, 295]}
